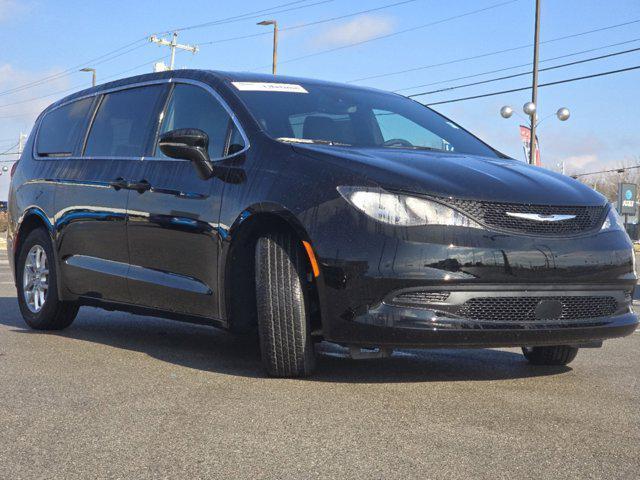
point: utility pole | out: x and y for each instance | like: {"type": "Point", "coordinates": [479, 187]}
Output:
{"type": "Point", "coordinates": [275, 42]}
{"type": "Point", "coordinates": [21, 140]}
{"type": "Point", "coordinates": [534, 89]}
{"type": "Point", "coordinates": [173, 44]}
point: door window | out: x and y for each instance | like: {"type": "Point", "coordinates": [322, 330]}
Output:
{"type": "Point", "coordinates": [125, 123]}
{"type": "Point", "coordinates": [194, 107]}
{"type": "Point", "coordinates": [61, 129]}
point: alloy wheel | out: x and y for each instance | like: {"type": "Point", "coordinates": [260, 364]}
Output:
{"type": "Point", "coordinates": [35, 280]}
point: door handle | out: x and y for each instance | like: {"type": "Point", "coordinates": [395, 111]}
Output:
{"type": "Point", "coordinates": [140, 187]}
{"type": "Point", "coordinates": [119, 183]}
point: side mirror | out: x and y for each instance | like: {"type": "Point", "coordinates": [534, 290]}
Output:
{"type": "Point", "coordinates": [188, 144]}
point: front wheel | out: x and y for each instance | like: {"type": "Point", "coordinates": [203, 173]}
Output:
{"type": "Point", "coordinates": [282, 305]}
{"type": "Point", "coordinates": [557, 355]}
{"type": "Point", "coordinates": [36, 274]}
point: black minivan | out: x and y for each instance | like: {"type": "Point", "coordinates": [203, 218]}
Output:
{"type": "Point", "coordinates": [308, 211]}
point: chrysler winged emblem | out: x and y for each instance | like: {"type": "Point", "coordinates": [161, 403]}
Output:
{"type": "Point", "coordinates": [538, 217]}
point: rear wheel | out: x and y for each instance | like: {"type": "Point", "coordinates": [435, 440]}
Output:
{"type": "Point", "coordinates": [282, 305]}
{"type": "Point", "coordinates": [37, 285]}
{"type": "Point", "coordinates": [557, 355]}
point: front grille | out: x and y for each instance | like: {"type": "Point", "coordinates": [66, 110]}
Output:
{"type": "Point", "coordinates": [421, 297]}
{"type": "Point", "coordinates": [513, 309]}
{"type": "Point", "coordinates": [495, 215]}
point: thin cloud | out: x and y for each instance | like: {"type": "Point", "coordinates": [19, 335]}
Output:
{"type": "Point", "coordinates": [10, 8]}
{"type": "Point", "coordinates": [29, 102]}
{"type": "Point", "coordinates": [359, 29]}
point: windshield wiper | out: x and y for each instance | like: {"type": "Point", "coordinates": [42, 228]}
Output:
{"type": "Point", "coordinates": [308, 140]}
{"type": "Point", "coordinates": [416, 147]}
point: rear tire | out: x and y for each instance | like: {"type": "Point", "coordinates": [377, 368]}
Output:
{"type": "Point", "coordinates": [48, 313]}
{"type": "Point", "coordinates": [283, 309]}
{"type": "Point", "coordinates": [557, 355]}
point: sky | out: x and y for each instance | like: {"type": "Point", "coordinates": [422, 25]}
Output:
{"type": "Point", "coordinates": [44, 43]}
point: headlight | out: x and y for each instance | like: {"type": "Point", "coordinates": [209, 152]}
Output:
{"type": "Point", "coordinates": [613, 221]}
{"type": "Point", "coordinates": [403, 210]}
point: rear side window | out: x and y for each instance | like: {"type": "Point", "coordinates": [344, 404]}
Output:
{"type": "Point", "coordinates": [60, 129]}
{"type": "Point", "coordinates": [194, 107]}
{"type": "Point", "coordinates": [125, 123]}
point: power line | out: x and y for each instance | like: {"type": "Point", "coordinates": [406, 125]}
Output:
{"type": "Point", "coordinates": [439, 82]}
{"type": "Point", "coordinates": [6, 152]}
{"type": "Point", "coordinates": [304, 25]}
{"type": "Point", "coordinates": [617, 170]}
{"type": "Point", "coordinates": [95, 61]}
{"type": "Point", "coordinates": [248, 15]}
{"type": "Point", "coordinates": [506, 77]}
{"type": "Point", "coordinates": [17, 115]}
{"type": "Point", "coordinates": [489, 54]}
{"type": "Point", "coordinates": [548, 84]}
{"type": "Point", "coordinates": [399, 32]}
{"type": "Point", "coordinates": [76, 87]}
{"type": "Point", "coordinates": [119, 51]}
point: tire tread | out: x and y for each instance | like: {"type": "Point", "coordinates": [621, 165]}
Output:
{"type": "Point", "coordinates": [555, 355]}
{"type": "Point", "coordinates": [283, 319]}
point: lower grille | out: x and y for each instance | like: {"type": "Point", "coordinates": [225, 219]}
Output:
{"type": "Point", "coordinates": [538, 308]}
{"type": "Point", "coordinates": [421, 297]}
{"type": "Point", "coordinates": [494, 214]}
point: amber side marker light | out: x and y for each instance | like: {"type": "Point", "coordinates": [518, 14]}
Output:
{"type": "Point", "coordinates": [312, 258]}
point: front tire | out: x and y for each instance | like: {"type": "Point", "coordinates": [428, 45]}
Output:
{"type": "Point", "coordinates": [282, 305]}
{"type": "Point", "coordinates": [557, 355]}
{"type": "Point", "coordinates": [36, 275]}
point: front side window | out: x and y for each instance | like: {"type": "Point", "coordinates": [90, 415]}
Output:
{"type": "Point", "coordinates": [349, 116]}
{"type": "Point", "coordinates": [399, 131]}
{"type": "Point", "coordinates": [194, 107]}
{"type": "Point", "coordinates": [124, 124]}
{"type": "Point", "coordinates": [61, 129]}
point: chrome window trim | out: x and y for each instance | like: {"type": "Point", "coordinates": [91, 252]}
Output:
{"type": "Point", "coordinates": [173, 80]}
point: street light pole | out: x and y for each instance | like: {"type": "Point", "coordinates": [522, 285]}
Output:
{"type": "Point", "coordinates": [563, 114]}
{"type": "Point", "coordinates": [93, 74]}
{"type": "Point", "coordinates": [534, 89]}
{"type": "Point", "coordinates": [275, 42]}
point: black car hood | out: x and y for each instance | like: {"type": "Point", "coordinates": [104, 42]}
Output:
{"type": "Point", "coordinates": [457, 175]}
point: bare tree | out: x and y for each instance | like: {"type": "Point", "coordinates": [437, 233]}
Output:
{"type": "Point", "coordinates": [607, 183]}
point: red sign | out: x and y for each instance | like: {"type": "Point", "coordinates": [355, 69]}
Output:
{"type": "Point", "coordinates": [525, 135]}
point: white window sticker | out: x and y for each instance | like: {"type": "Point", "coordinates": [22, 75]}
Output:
{"type": "Point", "coordinates": [269, 87]}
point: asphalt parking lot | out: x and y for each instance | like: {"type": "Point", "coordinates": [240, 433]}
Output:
{"type": "Point", "coordinates": [121, 396]}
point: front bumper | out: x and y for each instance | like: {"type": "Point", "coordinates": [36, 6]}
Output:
{"type": "Point", "coordinates": [436, 325]}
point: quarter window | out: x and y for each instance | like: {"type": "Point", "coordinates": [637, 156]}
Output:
{"type": "Point", "coordinates": [194, 107]}
{"type": "Point", "coordinates": [61, 129]}
{"type": "Point", "coordinates": [125, 123]}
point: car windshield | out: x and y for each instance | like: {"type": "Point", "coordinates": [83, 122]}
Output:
{"type": "Point", "coordinates": [348, 116]}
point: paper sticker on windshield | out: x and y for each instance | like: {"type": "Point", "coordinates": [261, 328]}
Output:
{"type": "Point", "coordinates": [269, 87]}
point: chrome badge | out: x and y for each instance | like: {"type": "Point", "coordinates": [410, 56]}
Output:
{"type": "Point", "coordinates": [538, 217]}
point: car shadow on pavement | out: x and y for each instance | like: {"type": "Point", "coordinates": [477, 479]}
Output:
{"type": "Point", "coordinates": [209, 349]}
